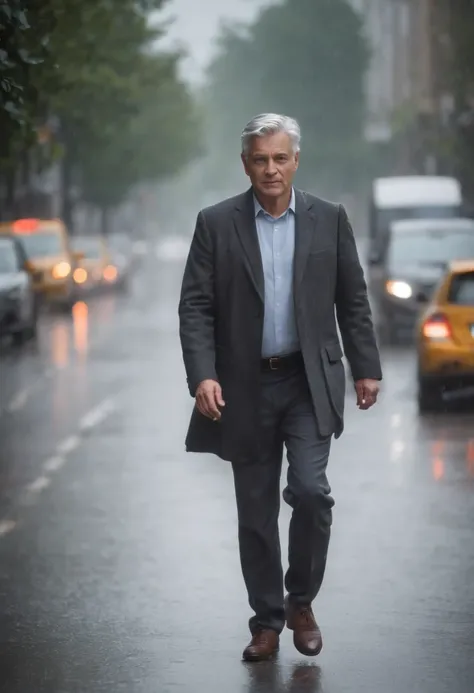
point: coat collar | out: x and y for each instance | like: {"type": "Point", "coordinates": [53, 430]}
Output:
{"type": "Point", "coordinates": [244, 219]}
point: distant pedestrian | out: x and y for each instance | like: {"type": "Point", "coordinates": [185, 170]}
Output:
{"type": "Point", "coordinates": [268, 272]}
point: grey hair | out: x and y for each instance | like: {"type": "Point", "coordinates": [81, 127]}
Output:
{"type": "Point", "coordinates": [269, 124]}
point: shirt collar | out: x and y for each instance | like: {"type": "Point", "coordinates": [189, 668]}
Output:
{"type": "Point", "coordinates": [259, 208]}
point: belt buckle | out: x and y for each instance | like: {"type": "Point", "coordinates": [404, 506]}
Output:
{"type": "Point", "coordinates": [272, 360]}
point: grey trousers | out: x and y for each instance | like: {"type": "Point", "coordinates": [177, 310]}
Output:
{"type": "Point", "coordinates": [286, 419]}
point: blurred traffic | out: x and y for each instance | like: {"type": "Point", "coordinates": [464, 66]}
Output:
{"type": "Point", "coordinates": [42, 267]}
{"type": "Point", "coordinates": [419, 257]}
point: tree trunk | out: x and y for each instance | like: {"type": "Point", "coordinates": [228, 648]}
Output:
{"type": "Point", "coordinates": [67, 204]}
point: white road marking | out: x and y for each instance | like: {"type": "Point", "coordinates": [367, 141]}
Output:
{"type": "Point", "coordinates": [38, 484]}
{"type": "Point", "coordinates": [6, 526]}
{"type": "Point", "coordinates": [68, 445]}
{"type": "Point", "coordinates": [53, 464]}
{"type": "Point", "coordinates": [96, 415]}
{"type": "Point", "coordinates": [397, 448]}
{"type": "Point", "coordinates": [395, 420]}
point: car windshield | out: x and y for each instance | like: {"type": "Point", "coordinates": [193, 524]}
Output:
{"type": "Point", "coordinates": [430, 247]}
{"type": "Point", "coordinates": [386, 216]}
{"type": "Point", "coordinates": [43, 244]}
{"type": "Point", "coordinates": [121, 243]}
{"type": "Point", "coordinates": [461, 291]}
{"type": "Point", "coordinates": [88, 245]}
{"type": "Point", "coordinates": [8, 257]}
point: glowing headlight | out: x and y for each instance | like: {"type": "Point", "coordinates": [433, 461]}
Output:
{"type": "Point", "coordinates": [61, 270]}
{"type": "Point", "coordinates": [399, 289]}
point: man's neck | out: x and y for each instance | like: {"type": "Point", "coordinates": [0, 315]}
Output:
{"type": "Point", "coordinates": [275, 206]}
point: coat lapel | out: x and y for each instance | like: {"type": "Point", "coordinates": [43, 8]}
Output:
{"type": "Point", "coordinates": [304, 235]}
{"type": "Point", "coordinates": [246, 227]}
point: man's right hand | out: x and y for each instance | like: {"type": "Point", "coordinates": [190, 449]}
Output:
{"type": "Point", "coordinates": [209, 399]}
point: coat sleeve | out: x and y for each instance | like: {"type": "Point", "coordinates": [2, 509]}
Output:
{"type": "Point", "coordinates": [352, 307]}
{"type": "Point", "coordinates": [196, 309]}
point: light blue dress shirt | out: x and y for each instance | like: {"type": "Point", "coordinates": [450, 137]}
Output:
{"type": "Point", "coordinates": [276, 237]}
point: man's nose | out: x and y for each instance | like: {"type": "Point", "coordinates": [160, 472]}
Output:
{"type": "Point", "coordinates": [271, 169]}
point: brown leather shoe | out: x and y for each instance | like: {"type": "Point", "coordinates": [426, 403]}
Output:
{"type": "Point", "coordinates": [306, 634]}
{"type": "Point", "coordinates": [265, 644]}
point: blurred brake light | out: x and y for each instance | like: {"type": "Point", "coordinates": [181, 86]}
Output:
{"type": "Point", "coordinates": [25, 225]}
{"type": "Point", "coordinates": [110, 273]}
{"type": "Point", "coordinates": [437, 327]}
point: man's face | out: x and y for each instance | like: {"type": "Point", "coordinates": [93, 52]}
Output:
{"type": "Point", "coordinates": [271, 164]}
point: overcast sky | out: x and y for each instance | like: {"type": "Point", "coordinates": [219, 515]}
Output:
{"type": "Point", "coordinates": [197, 24]}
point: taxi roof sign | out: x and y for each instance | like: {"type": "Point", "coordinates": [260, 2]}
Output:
{"type": "Point", "coordinates": [25, 225]}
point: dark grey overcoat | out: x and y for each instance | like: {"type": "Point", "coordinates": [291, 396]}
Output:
{"type": "Point", "coordinates": [221, 317]}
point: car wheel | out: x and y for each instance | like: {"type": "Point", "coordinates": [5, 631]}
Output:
{"type": "Point", "coordinates": [429, 397]}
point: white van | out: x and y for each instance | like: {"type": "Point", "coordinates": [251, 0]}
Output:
{"type": "Point", "coordinates": [410, 197]}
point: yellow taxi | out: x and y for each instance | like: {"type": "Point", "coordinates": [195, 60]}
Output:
{"type": "Point", "coordinates": [50, 257]}
{"type": "Point", "coordinates": [96, 268]}
{"type": "Point", "coordinates": [445, 340]}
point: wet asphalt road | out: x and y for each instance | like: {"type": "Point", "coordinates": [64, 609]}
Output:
{"type": "Point", "coordinates": [118, 551]}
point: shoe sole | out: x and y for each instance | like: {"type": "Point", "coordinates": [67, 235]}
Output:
{"type": "Point", "coordinates": [258, 658]}
{"type": "Point", "coordinates": [308, 653]}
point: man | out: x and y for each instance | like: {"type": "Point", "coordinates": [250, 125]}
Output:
{"type": "Point", "coordinates": [266, 272]}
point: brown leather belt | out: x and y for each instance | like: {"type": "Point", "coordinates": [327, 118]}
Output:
{"type": "Point", "coordinates": [282, 363]}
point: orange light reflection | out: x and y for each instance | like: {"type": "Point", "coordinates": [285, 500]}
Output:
{"type": "Point", "coordinates": [60, 345]}
{"type": "Point", "coordinates": [438, 468]}
{"type": "Point", "coordinates": [470, 456]}
{"type": "Point", "coordinates": [80, 316]}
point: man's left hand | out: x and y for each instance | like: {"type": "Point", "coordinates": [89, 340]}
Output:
{"type": "Point", "coordinates": [367, 391]}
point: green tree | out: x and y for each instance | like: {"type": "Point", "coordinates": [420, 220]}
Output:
{"type": "Point", "coordinates": [305, 58]}
{"type": "Point", "coordinates": [123, 114]}
{"type": "Point", "coordinates": [154, 142]}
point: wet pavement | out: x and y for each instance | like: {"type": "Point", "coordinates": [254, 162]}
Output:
{"type": "Point", "coordinates": [118, 551]}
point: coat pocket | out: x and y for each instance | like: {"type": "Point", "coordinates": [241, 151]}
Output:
{"type": "Point", "coordinates": [334, 376]}
{"type": "Point", "coordinates": [334, 352]}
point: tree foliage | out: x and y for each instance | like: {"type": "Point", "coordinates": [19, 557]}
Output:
{"type": "Point", "coordinates": [305, 58]}
{"type": "Point", "coordinates": [462, 41]}
{"type": "Point", "coordinates": [123, 114]}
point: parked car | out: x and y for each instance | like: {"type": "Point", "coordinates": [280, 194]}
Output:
{"type": "Point", "coordinates": [410, 197]}
{"type": "Point", "coordinates": [412, 263]}
{"type": "Point", "coordinates": [47, 246]}
{"type": "Point", "coordinates": [96, 269]}
{"type": "Point", "coordinates": [123, 257]}
{"type": "Point", "coordinates": [18, 300]}
{"type": "Point", "coordinates": [445, 340]}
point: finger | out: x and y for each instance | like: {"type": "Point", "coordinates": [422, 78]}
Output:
{"type": "Point", "coordinates": [359, 392]}
{"type": "Point", "coordinates": [201, 405]}
{"type": "Point", "coordinates": [368, 399]}
{"type": "Point", "coordinates": [211, 405]}
{"type": "Point", "coordinates": [204, 404]}
{"type": "Point", "coordinates": [218, 396]}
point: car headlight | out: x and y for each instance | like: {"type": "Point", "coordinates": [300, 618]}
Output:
{"type": "Point", "coordinates": [399, 289]}
{"type": "Point", "coordinates": [61, 270]}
